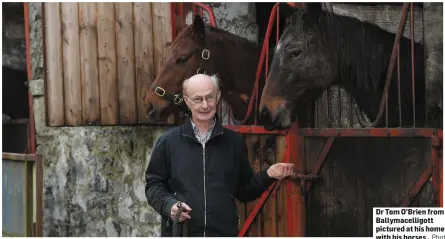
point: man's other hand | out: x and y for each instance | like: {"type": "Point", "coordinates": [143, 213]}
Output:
{"type": "Point", "coordinates": [184, 215]}
{"type": "Point", "coordinates": [280, 170]}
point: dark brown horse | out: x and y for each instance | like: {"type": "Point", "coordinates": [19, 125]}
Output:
{"type": "Point", "coordinates": [200, 48]}
{"type": "Point", "coordinates": [319, 49]}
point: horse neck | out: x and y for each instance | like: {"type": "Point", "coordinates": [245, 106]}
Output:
{"type": "Point", "coordinates": [363, 64]}
{"type": "Point", "coordinates": [236, 66]}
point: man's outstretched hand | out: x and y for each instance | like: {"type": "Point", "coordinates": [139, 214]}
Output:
{"type": "Point", "coordinates": [280, 170]}
{"type": "Point", "coordinates": [184, 215]}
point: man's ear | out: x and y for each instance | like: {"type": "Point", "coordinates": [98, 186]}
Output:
{"type": "Point", "coordinates": [187, 101]}
{"type": "Point", "coordinates": [218, 96]}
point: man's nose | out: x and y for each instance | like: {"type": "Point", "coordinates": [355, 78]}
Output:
{"type": "Point", "coordinates": [204, 103]}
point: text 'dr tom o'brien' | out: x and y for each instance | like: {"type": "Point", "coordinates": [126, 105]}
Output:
{"type": "Point", "coordinates": [409, 223]}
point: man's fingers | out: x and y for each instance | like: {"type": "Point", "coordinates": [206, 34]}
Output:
{"type": "Point", "coordinates": [289, 169]}
{"type": "Point", "coordinates": [184, 216]}
{"type": "Point", "coordinates": [186, 207]}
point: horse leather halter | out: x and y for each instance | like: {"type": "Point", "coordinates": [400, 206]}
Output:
{"type": "Point", "coordinates": [178, 99]}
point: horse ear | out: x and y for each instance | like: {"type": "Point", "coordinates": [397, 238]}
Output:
{"type": "Point", "coordinates": [286, 10]}
{"type": "Point", "coordinates": [199, 27]}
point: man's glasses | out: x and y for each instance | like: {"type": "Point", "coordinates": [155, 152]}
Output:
{"type": "Point", "coordinates": [199, 99]}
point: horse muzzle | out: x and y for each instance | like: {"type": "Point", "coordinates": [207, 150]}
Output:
{"type": "Point", "coordinates": [281, 120]}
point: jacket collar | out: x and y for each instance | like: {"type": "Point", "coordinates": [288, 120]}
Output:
{"type": "Point", "coordinates": [217, 129]}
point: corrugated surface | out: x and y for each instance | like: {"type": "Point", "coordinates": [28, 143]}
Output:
{"type": "Point", "coordinates": [13, 198]}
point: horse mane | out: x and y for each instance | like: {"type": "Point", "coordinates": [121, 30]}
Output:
{"type": "Point", "coordinates": [363, 50]}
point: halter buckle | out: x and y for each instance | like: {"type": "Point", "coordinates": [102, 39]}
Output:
{"type": "Point", "coordinates": [203, 71]}
{"type": "Point", "coordinates": [178, 100]}
{"type": "Point", "coordinates": [205, 54]}
{"type": "Point", "coordinates": [157, 89]}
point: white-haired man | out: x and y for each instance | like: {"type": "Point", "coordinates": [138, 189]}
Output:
{"type": "Point", "coordinates": [205, 167]}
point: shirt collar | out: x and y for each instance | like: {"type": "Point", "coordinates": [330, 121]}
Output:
{"type": "Point", "coordinates": [210, 129]}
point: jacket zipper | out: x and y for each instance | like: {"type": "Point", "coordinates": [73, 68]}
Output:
{"type": "Point", "coordinates": [205, 194]}
{"type": "Point", "coordinates": [204, 178]}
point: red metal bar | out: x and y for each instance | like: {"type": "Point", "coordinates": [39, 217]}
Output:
{"type": "Point", "coordinates": [254, 129]}
{"type": "Point", "coordinates": [181, 10]}
{"type": "Point", "coordinates": [31, 126]}
{"type": "Point", "coordinates": [391, 64]}
{"type": "Point", "coordinates": [181, 14]}
{"type": "Point", "coordinates": [417, 186]}
{"type": "Point", "coordinates": [295, 205]}
{"type": "Point", "coordinates": [173, 19]}
{"type": "Point", "coordinates": [261, 62]}
{"type": "Point", "coordinates": [289, 192]}
{"type": "Point", "coordinates": [256, 209]}
{"type": "Point", "coordinates": [209, 11]}
{"type": "Point", "coordinates": [372, 132]}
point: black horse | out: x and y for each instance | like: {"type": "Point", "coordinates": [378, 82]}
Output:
{"type": "Point", "coordinates": [319, 49]}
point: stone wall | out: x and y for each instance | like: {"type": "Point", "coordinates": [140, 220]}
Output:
{"type": "Point", "coordinates": [13, 36]}
{"type": "Point", "coordinates": [94, 176]}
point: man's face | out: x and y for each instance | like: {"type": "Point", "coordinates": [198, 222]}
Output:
{"type": "Point", "coordinates": [202, 99]}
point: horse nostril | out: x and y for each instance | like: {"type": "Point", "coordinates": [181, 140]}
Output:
{"type": "Point", "coordinates": [265, 113]}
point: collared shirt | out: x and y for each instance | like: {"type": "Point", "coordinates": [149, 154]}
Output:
{"type": "Point", "coordinates": [205, 137]}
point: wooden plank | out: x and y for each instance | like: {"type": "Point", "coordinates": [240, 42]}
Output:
{"type": "Point", "coordinates": [242, 206]}
{"type": "Point", "coordinates": [143, 44]}
{"type": "Point", "coordinates": [268, 156]}
{"type": "Point", "coordinates": [281, 200]}
{"type": "Point", "coordinates": [162, 36]}
{"type": "Point", "coordinates": [53, 64]}
{"type": "Point", "coordinates": [19, 157]}
{"type": "Point", "coordinates": [125, 63]}
{"type": "Point", "coordinates": [89, 67]}
{"type": "Point", "coordinates": [71, 64]}
{"type": "Point", "coordinates": [241, 213]}
{"type": "Point", "coordinates": [162, 33]}
{"type": "Point", "coordinates": [253, 148]}
{"type": "Point", "coordinates": [107, 64]}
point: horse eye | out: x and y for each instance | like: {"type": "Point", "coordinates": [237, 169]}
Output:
{"type": "Point", "coordinates": [295, 54]}
{"type": "Point", "coordinates": [181, 60]}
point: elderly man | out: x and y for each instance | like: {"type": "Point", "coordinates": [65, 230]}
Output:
{"type": "Point", "coordinates": [205, 167]}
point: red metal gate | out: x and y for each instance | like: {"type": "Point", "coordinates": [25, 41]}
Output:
{"type": "Point", "coordinates": [297, 187]}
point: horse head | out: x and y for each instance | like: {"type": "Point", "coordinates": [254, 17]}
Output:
{"type": "Point", "coordinates": [204, 49]}
{"type": "Point", "coordinates": [186, 58]}
{"type": "Point", "coordinates": [300, 67]}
